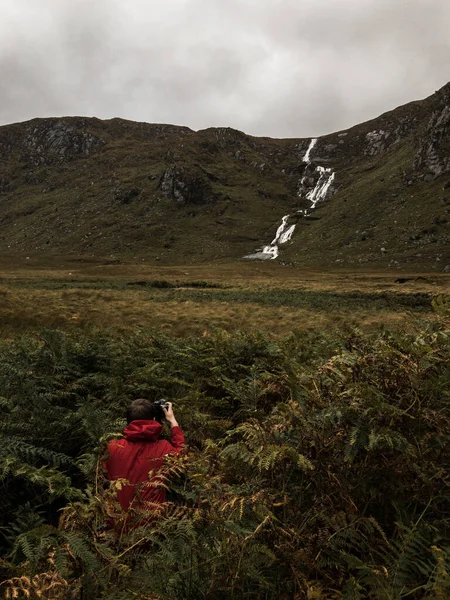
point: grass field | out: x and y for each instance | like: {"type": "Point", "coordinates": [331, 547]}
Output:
{"type": "Point", "coordinates": [196, 300]}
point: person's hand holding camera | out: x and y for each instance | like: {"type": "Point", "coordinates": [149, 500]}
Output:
{"type": "Point", "coordinates": [168, 413]}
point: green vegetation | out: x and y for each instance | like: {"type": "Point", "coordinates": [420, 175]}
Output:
{"type": "Point", "coordinates": [191, 290]}
{"type": "Point", "coordinates": [317, 465]}
{"type": "Point", "coordinates": [104, 284]}
{"type": "Point", "coordinates": [314, 301]}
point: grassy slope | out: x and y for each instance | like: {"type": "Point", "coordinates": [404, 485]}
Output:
{"type": "Point", "coordinates": [110, 202]}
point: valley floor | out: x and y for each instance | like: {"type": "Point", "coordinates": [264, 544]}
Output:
{"type": "Point", "coordinates": [188, 300]}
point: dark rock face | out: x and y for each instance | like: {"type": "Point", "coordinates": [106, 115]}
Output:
{"type": "Point", "coordinates": [433, 154]}
{"type": "Point", "coordinates": [186, 185]}
{"type": "Point", "coordinates": [376, 142]}
{"type": "Point", "coordinates": [6, 185]}
{"type": "Point", "coordinates": [46, 143]}
{"type": "Point", "coordinates": [127, 195]}
{"type": "Point", "coordinates": [49, 141]}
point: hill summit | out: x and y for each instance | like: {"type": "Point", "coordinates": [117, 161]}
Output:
{"type": "Point", "coordinates": [375, 195]}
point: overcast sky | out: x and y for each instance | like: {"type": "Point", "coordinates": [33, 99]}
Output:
{"type": "Point", "coordinates": [283, 68]}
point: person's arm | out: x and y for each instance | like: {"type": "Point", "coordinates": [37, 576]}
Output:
{"type": "Point", "coordinates": [176, 434]}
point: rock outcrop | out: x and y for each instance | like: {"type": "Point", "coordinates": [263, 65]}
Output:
{"type": "Point", "coordinates": [434, 149]}
{"type": "Point", "coordinates": [50, 141]}
{"type": "Point", "coordinates": [186, 185]}
{"type": "Point", "coordinates": [59, 142]}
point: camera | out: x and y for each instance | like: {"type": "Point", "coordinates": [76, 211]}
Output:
{"type": "Point", "coordinates": [158, 406]}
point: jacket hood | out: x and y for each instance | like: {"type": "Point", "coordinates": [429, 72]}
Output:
{"type": "Point", "coordinates": [140, 430]}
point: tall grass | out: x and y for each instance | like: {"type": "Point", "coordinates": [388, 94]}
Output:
{"type": "Point", "coordinates": [184, 311]}
{"type": "Point", "coordinates": [201, 291]}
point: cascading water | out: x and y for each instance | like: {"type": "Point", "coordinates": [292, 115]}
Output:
{"type": "Point", "coordinates": [318, 193]}
{"type": "Point", "coordinates": [283, 235]}
{"type": "Point", "coordinates": [326, 177]}
{"type": "Point", "coordinates": [306, 158]}
{"type": "Point", "coordinates": [323, 184]}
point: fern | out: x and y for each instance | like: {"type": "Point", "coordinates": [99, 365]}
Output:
{"type": "Point", "coordinates": [81, 550]}
{"type": "Point", "coordinates": [25, 518]}
{"type": "Point", "coordinates": [318, 465]}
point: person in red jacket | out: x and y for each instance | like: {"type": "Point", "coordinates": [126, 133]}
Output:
{"type": "Point", "coordinates": [139, 455]}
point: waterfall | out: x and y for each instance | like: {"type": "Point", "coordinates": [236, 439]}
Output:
{"type": "Point", "coordinates": [324, 181]}
{"type": "Point", "coordinates": [326, 177]}
{"type": "Point", "coordinates": [319, 192]}
{"type": "Point", "coordinates": [306, 158]}
{"type": "Point", "coordinates": [283, 235]}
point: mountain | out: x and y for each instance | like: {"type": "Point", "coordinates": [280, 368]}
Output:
{"type": "Point", "coordinates": [375, 195]}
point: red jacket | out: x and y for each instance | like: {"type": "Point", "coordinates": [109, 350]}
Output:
{"type": "Point", "coordinates": [134, 456]}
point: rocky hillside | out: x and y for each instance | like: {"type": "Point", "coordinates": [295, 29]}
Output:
{"type": "Point", "coordinates": [376, 195]}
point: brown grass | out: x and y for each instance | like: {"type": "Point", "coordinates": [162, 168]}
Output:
{"type": "Point", "coordinates": [122, 310]}
{"type": "Point", "coordinates": [266, 274]}
{"type": "Point", "coordinates": [30, 305]}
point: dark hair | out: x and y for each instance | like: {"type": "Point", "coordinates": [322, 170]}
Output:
{"type": "Point", "coordinates": [140, 409]}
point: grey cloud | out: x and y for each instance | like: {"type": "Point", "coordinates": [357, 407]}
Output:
{"type": "Point", "coordinates": [269, 67]}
